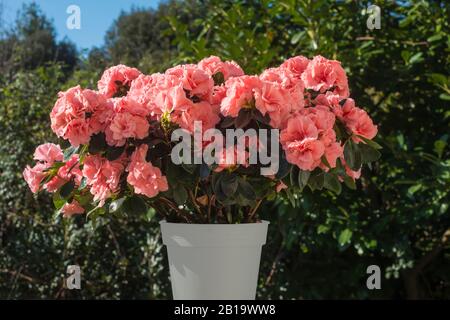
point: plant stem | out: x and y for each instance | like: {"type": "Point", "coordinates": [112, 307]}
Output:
{"type": "Point", "coordinates": [253, 211]}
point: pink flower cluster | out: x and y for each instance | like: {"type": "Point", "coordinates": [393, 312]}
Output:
{"type": "Point", "coordinates": [302, 98]}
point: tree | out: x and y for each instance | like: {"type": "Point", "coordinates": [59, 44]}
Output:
{"type": "Point", "coordinates": [32, 43]}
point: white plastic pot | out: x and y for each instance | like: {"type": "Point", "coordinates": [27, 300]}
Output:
{"type": "Point", "coordinates": [214, 261]}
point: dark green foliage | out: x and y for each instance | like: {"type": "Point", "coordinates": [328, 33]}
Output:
{"type": "Point", "coordinates": [397, 217]}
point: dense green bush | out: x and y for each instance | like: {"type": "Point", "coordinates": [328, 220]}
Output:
{"type": "Point", "coordinates": [398, 218]}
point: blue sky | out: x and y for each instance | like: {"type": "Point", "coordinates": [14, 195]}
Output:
{"type": "Point", "coordinates": [96, 16]}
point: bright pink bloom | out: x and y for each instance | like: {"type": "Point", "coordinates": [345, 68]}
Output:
{"type": "Point", "coordinates": [172, 99]}
{"type": "Point", "coordinates": [358, 121]}
{"type": "Point", "coordinates": [332, 152]}
{"type": "Point", "coordinates": [143, 176]}
{"type": "Point", "coordinates": [279, 95]}
{"type": "Point", "coordinates": [301, 144]}
{"type": "Point", "coordinates": [217, 95]}
{"type": "Point", "coordinates": [129, 121]}
{"type": "Point", "coordinates": [102, 176]}
{"type": "Point", "coordinates": [296, 65]}
{"type": "Point", "coordinates": [158, 93]}
{"type": "Point", "coordinates": [34, 176]}
{"type": "Point", "coordinates": [240, 93]}
{"type": "Point", "coordinates": [78, 114]}
{"type": "Point", "coordinates": [48, 153]}
{"type": "Point", "coordinates": [71, 209]}
{"type": "Point", "coordinates": [203, 112]}
{"type": "Point", "coordinates": [116, 77]}
{"type": "Point", "coordinates": [213, 65]}
{"type": "Point", "coordinates": [194, 80]}
{"type": "Point", "coordinates": [323, 74]}
{"type": "Point", "coordinates": [124, 126]}
{"type": "Point", "coordinates": [69, 171]}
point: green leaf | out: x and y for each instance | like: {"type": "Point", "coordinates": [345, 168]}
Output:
{"type": "Point", "coordinates": [58, 202]}
{"type": "Point", "coordinates": [116, 205]}
{"type": "Point", "coordinates": [227, 122]}
{"type": "Point", "coordinates": [368, 153]}
{"type": "Point", "coordinates": [416, 58]}
{"type": "Point", "coordinates": [296, 37]}
{"type": "Point", "coordinates": [229, 184]}
{"type": "Point", "coordinates": [439, 79]}
{"type": "Point", "coordinates": [97, 143]}
{"type": "Point", "coordinates": [243, 119]}
{"type": "Point", "coordinates": [345, 236]}
{"type": "Point", "coordinates": [134, 205]}
{"type": "Point", "coordinates": [303, 177]}
{"type": "Point", "coordinates": [325, 161]}
{"type": "Point", "coordinates": [322, 229]}
{"type": "Point", "coordinates": [439, 146]}
{"type": "Point", "coordinates": [150, 214]}
{"type": "Point", "coordinates": [352, 155]}
{"type": "Point", "coordinates": [316, 181]}
{"type": "Point", "coordinates": [371, 143]}
{"type": "Point", "coordinates": [349, 182]}
{"type": "Point", "coordinates": [69, 152]}
{"type": "Point", "coordinates": [67, 189]}
{"type": "Point", "coordinates": [113, 153]}
{"type": "Point", "coordinates": [218, 78]}
{"type": "Point", "coordinates": [444, 96]}
{"type": "Point", "coordinates": [284, 167]}
{"type": "Point", "coordinates": [246, 190]}
{"type": "Point", "coordinates": [331, 182]}
{"type": "Point", "coordinates": [180, 195]}
{"type": "Point", "coordinates": [83, 183]}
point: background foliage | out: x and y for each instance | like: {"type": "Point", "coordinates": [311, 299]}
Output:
{"type": "Point", "coordinates": [398, 219]}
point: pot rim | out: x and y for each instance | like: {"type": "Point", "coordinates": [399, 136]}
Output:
{"type": "Point", "coordinates": [214, 224]}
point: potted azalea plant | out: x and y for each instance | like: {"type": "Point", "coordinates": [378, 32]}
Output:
{"type": "Point", "coordinates": [203, 145]}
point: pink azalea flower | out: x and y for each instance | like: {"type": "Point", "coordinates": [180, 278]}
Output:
{"type": "Point", "coordinates": [102, 176]}
{"type": "Point", "coordinates": [115, 77]}
{"type": "Point", "coordinates": [279, 95]}
{"type": "Point", "coordinates": [34, 176]}
{"type": "Point", "coordinates": [296, 65]}
{"type": "Point", "coordinates": [129, 121]}
{"type": "Point", "coordinates": [301, 144]}
{"type": "Point", "coordinates": [78, 114]}
{"type": "Point", "coordinates": [143, 176]}
{"type": "Point", "coordinates": [213, 65]}
{"type": "Point", "coordinates": [71, 209]}
{"type": "Point", "coordinates": [333, 151]}
{"type": "Point", "coordinates": [203, 112]}
{"type": "Point", "coordinates": [358, 121]}
{"type": "Point", "coordinates": [323, 74]}
{"type": "Point", "coordinates": [69, 171]}
{"type": "Point", "coordinates": [152, 91]}
{"type": "Point", "coordinates": [48, 153]}
{"type": "Point", "coordinates": [194, 80]}
{"type": "Point", "coordinates": [240, 93]}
